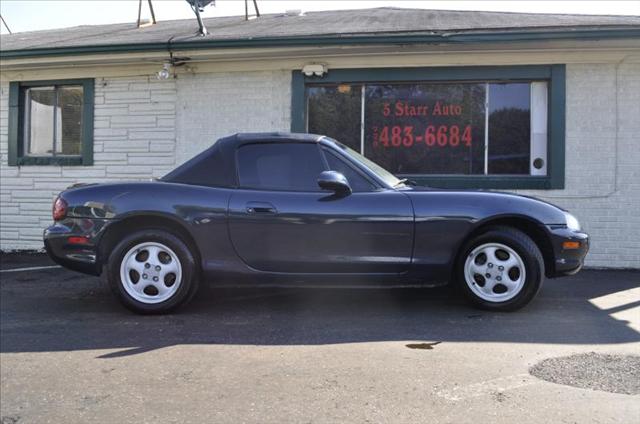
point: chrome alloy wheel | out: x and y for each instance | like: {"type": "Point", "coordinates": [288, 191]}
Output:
{"type": "Point", "coordinates": [494, 272]}
{"type": "Point", "coordinates": [150, 272]}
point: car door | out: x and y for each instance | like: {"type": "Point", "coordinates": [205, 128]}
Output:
{"type": "Point", "coordinates": [281, 221]}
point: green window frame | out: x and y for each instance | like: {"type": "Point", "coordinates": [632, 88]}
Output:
{"type": "Point", "coordinates": [555, 76]}
{"type": "Point", "coordinates": [17, 155]}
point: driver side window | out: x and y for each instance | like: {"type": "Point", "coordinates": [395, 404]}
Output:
{"type": "Point", "coordinates": [280, 166]}
{"type": "Point", "coordinates": [356, 180]}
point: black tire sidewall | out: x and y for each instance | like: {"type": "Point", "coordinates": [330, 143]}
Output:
{"type": "Point", "coordinates": [531, 256]}
{"type": "Point", "coordinates": [188, 284]}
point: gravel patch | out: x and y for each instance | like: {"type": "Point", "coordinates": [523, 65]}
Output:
{"type": "Point", "coordinates": [609, 373]}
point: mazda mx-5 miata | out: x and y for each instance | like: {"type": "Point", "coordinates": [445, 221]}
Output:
{"type": "Point", "coordinates": [277, 209]}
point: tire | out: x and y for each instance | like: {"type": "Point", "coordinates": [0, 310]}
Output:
{"type": "Point", "coordinates": [509, 275]}
{"type": "Point", "coordinates": [152, 271]}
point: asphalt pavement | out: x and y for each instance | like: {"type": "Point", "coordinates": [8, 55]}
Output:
{"type": "Point", "coordinates": [70, 353]}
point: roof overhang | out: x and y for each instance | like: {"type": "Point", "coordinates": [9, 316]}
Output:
{"type": "Point", "coordinates": [349, 55]}
{"type": "Point", "coordinates": [464, 37]}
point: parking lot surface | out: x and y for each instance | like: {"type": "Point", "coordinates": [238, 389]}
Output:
{"type": "Point", "coordinates": [69, 353]}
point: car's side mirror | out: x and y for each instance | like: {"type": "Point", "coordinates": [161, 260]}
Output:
{"type": "Point", "coordinates": [334, 181]}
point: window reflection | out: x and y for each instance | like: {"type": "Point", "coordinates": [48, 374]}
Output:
{"type": "Point", "coordinates": [509, 128]}
{"type": "Point", "coordinates": [469, 128]}
{"type": "Point", "coordinates": [53, 120]}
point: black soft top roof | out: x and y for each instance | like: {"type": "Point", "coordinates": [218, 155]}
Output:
{"type": "Point", "coordinates": [216, 165]}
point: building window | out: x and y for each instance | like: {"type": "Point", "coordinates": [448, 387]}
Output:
{"type": "Point", "coordinates": [51, 123]}
{"type": "Point", "coordinates": [454, 127]}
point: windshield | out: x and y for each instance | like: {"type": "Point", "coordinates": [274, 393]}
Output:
{"type": "Point", "coordinates": [382, 173]}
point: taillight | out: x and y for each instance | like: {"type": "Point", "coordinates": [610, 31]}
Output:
{"type": "Point", "coordinates": [59, 209]}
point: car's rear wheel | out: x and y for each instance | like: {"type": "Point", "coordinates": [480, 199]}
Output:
{"type": "Point", "coordinates": [501, 269]}
{"type": "Point", "coordinates": [152, 271]}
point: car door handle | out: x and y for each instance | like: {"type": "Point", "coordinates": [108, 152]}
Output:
{"type": "Point", "coordinates": [261, 207]}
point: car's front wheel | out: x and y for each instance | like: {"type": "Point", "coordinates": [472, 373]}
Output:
{"type": "Point", "coordinates": [152, 271]}
{"type": "Point", "coordinates": [501, 269]}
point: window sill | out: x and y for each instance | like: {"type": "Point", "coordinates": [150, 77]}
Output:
{"type": "Point", "coordinates": [486, 182]}
{"type": "Point", "coordinates": [42, 160]}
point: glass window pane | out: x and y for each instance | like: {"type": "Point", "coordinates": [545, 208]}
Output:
{"type": "Point", "coordinates": [356, 181]}
{"type": "Point", "coordinates": [426, 128]}
{"type": "Point", "coordinates": [280, 166]}
{"type": "Point", "coordinates": [509, 128]}
{"type": "Point", "coordinates": [69, 120]}
{"type": "Point", "coordinates": [39, 120]}
{"type": "Point", "coordinates": [335, 111]}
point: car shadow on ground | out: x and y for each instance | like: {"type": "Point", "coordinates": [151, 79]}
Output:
{"type": "Point", "coordinates": [58, 310]}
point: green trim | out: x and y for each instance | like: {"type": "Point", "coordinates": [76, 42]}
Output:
{"type": "Point", "coordinates": [555, 74]}
{"type": "Point", "coordinates": [14, 123]}
{"type": "Point", "coordinates": [481, 181]}
{"type": "Point", "coordinates": [44, 83]}
{"type": "Point", "coordinates": [50, 160]}
{"type": "Point", "coordinates": [440, 38]}
{"type": "Point", "coordinates": [88, 89]}
{"type": "Point", "coordinates": [16, 145]}
{"type": "Point", "coordinates": [460, 73]}
{"type": "Point", "coordinates": [298, 102]}
{"type": "Point", "coordinates": [556, 131]}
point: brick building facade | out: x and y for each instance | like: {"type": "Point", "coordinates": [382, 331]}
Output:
{"type": "Point", "coordinates": [142, 127]}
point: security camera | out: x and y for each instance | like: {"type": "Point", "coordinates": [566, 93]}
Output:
{"type": "Point", "coordinates": [317, 69]}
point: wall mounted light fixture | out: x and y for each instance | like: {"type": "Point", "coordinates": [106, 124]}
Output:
{"type": "Point", "coordinates": [165, 72]}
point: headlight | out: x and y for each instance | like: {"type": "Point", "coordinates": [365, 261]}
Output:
{"type": "Point", "coordinates": [572, 222]}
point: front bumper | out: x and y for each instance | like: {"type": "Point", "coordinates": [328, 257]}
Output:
{"type": "Point", "coordinates": [81, 257]}
{"type": "Point", "coordinates": [568, 261]}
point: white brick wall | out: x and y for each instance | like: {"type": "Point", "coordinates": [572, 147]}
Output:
{"type": "Point", "coordinates": [144, 127]}
{"type": "Point", "coordinates": [214, 105]}
{"type": "Point", "coordinates": [134, 138]}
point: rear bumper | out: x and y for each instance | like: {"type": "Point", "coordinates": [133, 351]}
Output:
{"type": "Point", "coordinates": [568, 261]}
{"type": "Point", "coordinates": [81, 257]}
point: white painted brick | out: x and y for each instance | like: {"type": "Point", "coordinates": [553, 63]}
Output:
{"type": "Point", "coordinates": [132, 121]}
{"type": "Point", "coordinates": [129, 96]}
{"type": "Point", "coordinates": [127, 146]}
{"type": "Point", "coordinates": [110, 132]}
{"type": "Point", "coordinates": [16, 181]}
{"type": "Point", "coordinates": [100, 123]}
{"type": "Point", "coordinates": [100, 158]}
{"type": "Point", "coordinates": [213, 105]}
{"type": "Point", "coordinates": [24, 195]}
{"type": "Point", "coordinates": [153, 107]}
{"type": "Point", "coordinates": [152, 85]}
{"type": "Point", "coordinates": [163, 147]}
{"type": "Point", "coordinates": [163, 97]}
{"type": "Point", "coordinates": [146, 160]}
{"type": "Point", "coordinates": [35, 207]}
{"type": "Point", "coordinates": [166, 122]}
{"type": "Point", "coordinates": [111, 111]}
{"type": "Point", "coordinates": [83, 172]}
{"type": "Point", "coordinates": [55, 186]}
{"type": "Point", "coordinates": [151, 135]}
{"type": "Point", "coordinates": [137, 170]}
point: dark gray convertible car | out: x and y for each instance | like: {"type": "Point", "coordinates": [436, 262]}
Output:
{"type": "Point", "coordinates": [294, 209]}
